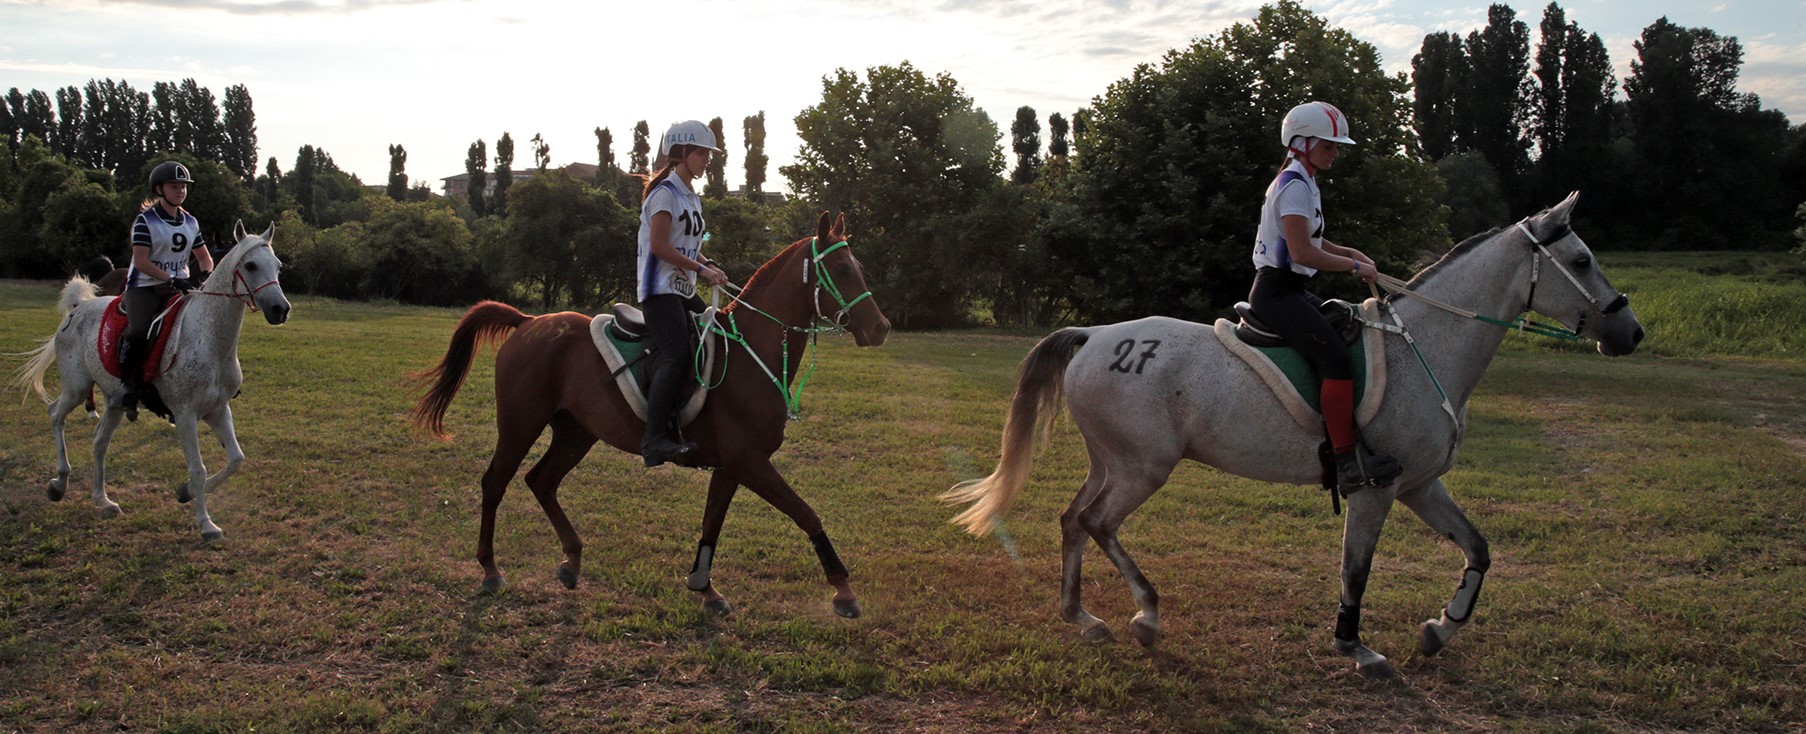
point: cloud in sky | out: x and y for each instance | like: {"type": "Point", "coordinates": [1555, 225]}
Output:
{"type": "Point", "coordinates": [354, 76]}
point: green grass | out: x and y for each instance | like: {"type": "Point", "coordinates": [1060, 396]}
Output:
{"type": "Point", "coordinates": [1643, 514]}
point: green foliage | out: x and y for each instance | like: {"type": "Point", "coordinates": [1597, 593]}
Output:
{"type": "Point", "coordinates": [715, 186]}
{"type": "Point", "coordinates": [82, 219]}
{"type": "Point", "coordinates": [742, 236]}
{"type": "Point", "coordinates": [398, 173]}
{"type": "Point", "coordinates": [753, 132]}
{"type": "Point", "coordinates": [419, 253]}
{"type": "Point", "coordinates": [1718, 303]}
{"type": "Point", "coordinates": [1025, 141]}
{"type": "Point", "coordinates": [1497, 94]}
{"type": "Point", "coordinates": [907, 158]}
{"type": "Point", "coordinates": [636, 159]}
{"type": "Point", "coordinates": [504, 175]}
{"type": "Point", "coordinates": [475, 164]}
{"type": "Point", "coordinates": [574, 243]}
{"type": "Point", "coordinates": [1166, 187]}
{"type": "Point", "coordinates": [1472, 194]}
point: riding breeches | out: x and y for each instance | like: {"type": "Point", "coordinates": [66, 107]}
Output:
{"type": "Point", "coordinates": [1281, 301]}
{"type": "Point", "coordinates": [142, 304]}
{"type": "Point", "coordinates": [668, 336]}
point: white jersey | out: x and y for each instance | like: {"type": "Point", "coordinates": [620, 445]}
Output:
{"type": "Point", "coordinates": [657, 277]}
{"type": "Point", "coordinates": [1293, 193]}
{"type": "Point", "coordinates": [169, 244]}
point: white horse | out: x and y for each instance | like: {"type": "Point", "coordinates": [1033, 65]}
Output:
{"type": "Point", "coordinates": [200, 372]}
{"type": "Point", "coordinates": [1187, 397]}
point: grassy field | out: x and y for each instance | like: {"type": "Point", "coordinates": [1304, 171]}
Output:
{"type": "Point", "coordinates": [1644, 516]}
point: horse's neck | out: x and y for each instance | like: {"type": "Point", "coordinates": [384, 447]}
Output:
{"type": "Point", "coordinates": [779, 291]}
{"type": "Point", "coordinates": [210, 325]}
{"type": "Point", "coordinates": [1492, 279]}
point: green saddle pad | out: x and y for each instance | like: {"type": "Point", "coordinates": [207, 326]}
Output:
{"type": "Point", "coordinates": [630, 355]}
{"type": "Point", "coordinates": [1304, 376]}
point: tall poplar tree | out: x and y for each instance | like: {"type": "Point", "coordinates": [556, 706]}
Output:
{"type": "Point", "coordinates": [1025, 141]}
{"type": "Point", "coordinates": [1439, 74]}
{"type": "Point", "coordinates": [504, 175]}
{"type": "Point", "coordinates": [1499, 94]}
{"type": "Point", "coordinates": [637, 159]}
{"type": "Point", "coordinates": [1057, 130]}
{"type": "Point", "coordinates": [753, 130]}
{"type": "Point", "coordinates": [398, 175]}
{"type": "Point", "coordinates": [239, 133]}
{"type": "Point", "coordinates": [66, 139]}
{"type": "Point", "coordinates": [716, 186]}
{"type": "Point", "coordinates": [474, 164]}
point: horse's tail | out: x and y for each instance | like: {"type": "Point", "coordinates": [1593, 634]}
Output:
{"type": "Point", "coordinates": [487, 321]}
{"type": "Point", "coordinates": [30, 376]}
{"type": "Point", "coordinates": [1040, 393]}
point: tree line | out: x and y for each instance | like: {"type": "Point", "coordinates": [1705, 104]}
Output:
{"type": "Point", "coordinates": [1143, 202]}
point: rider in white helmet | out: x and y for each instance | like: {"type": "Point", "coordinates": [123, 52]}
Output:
{"type": "Point", "coordinates": [670, 264]}
{"type": "Point", "coordinates": [1289, 248]}
{"type": "Point", "coordinates": [164, 238]}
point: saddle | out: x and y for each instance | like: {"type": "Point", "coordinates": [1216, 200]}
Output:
{"type": "Point", "coordinates": [620, 337]}
{"type": "Point", "coordinates": [1292, 378]}
{"type": "Point", "coordinates": [1340, 315]}
{"type": "Point", "coordinates": [112, 331]}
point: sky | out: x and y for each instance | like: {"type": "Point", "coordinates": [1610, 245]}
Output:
{"type": "Point", "coordinates": [355, 76]}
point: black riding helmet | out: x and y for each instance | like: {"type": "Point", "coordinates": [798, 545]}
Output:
{"type": "Point", "coordinates": [168, 172]}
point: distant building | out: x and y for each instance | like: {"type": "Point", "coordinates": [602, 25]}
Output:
{"type": "Point", "coordinates": [772, 198]}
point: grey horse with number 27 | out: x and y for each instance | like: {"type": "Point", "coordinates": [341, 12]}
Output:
{"type": "Point", "coordinates": [1182, 395]}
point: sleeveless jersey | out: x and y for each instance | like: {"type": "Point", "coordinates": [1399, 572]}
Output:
{"type": "Point", "coordinates": [169, 244]}
{"type": "Point", "coordinates": [1292, 193]}
{"type": "Point", "coordinates": [657, 277]}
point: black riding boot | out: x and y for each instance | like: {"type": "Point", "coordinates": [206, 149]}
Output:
{"type": "Point", "coordinates": [659, 444]}
{"type": "Point", "coordinates": [1364, 468]}
{"type": "Point", "coordinates": [132, 351]}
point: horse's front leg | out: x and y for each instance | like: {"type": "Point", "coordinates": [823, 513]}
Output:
{"type": "Point", "coordinates": [1433, 504]}
{"type": "Point", "coordinates": [1367, 510]}
{"type": "Point", "coordinates": [220, 421]}
{"type": "Point", "coordinates": [188, 430]}
{"type": "Point", "coordinates": [722, 487]}
{"type": "Point", "coordinates": [763, 479]}
{"type": "Point", "coordinates": [103, 437]}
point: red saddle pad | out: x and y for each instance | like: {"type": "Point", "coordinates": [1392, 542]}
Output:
{"type": "Point", "coordinates": [112, 330]}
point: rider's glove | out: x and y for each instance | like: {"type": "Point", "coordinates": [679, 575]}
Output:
{"type": "Point", "coordinates": [181, 284]}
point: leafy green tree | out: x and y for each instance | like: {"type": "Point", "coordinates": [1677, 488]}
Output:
{"type": "Point", "coordinates": [636, 161]}
{"type": "Point", "coordinates": [605, 158]}
{"type": "Point", "coordinates": [1056, 136]}
{"type": "Point", "coordinates": [1499, 98]}
{"type": "Point", "coordinates": [238, 144]}
{"type": "Point", "coordinates": [37, 173]}
{"type": "Point", "coordinates": [11, 106]}
{"type": "Point", "coordinates": [716, 185]}
{"type": "Point", "coordinates": [198, 121]}
{"type": "Point", "coordinates": [1472, 194]}
{"type": "Point", "coordinates": [907, 158]}
{"type": "Point", "coordinates": [1708, 156]}
{"type": "Point", "coordinates": [38, 116]}
{"type": "Point", "coordinates": [570, 241]}
{"type": "Point", "coordinates": [753, 129]}
{"type": "Point", "coordinates": [741, 236]}
{"type": "Point", "coordinates": [419, 253]}
{"type": "Point", "coordinates": [474, 164]}
{"type": "Point", "coordinates": [504, 175]}
{"type": "Point", "coordinates": [398, 174]}
{"type": "Point", "coordinates": [1439, 72]}
{"type": "Point", "coordinates": [82, 218]}
{"type": "Point", "coordinates": [165, 127]}
{"type": "Point", "coordinates": [116, 121]}
{"type": "Point", "coordinates": [66, 138]}
{"type": "Point", "coordinates": [1573, 117]}
{"type": "Point", "coordinates": [1025, 140]}
{"type": "Point", "coordinates": [1165, 195]}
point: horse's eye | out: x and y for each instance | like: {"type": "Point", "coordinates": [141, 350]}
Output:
{"type": "Point", "coordinates": [1583, 262]}
{"type": "Point", "coordinates": [252, 267]}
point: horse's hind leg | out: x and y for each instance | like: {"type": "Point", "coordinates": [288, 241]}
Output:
{"type": "Point", "coordinates": [570, 443]}
{"type": "Point", "coordinates": [59, 420]}
{"type": "Point", "coordinates": [1367, 510]}
{"type": "Point", "coordinates": [722, 487]}
{"type": "Point", "coordinates": [1124, 491]}
{"type": "Point", "coordinates": [1433, 504]}
{"type": "Point", "coordinates": [1072, 554]}
{"type": "Point", "coordinates": [227, 434]}
{"type": "Point", "coordinates": [511, 447]}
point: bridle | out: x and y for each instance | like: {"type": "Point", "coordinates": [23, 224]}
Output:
{"type": "Point", "coordinates": [1542, 248]}
{"type": "Point", "coordinates": [824, 280]}
{"type": "Point", "coordinates": [247, 294]}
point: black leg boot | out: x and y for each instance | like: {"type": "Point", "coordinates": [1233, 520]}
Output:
{"type": "Point", "coordinates": [658, 445]}
{"type": "Point", "coordinates": [131, 368]}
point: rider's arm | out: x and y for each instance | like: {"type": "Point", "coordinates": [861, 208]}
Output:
{"type": "Point", "coordinates": [202, 256]}
{"type": "Point", "coordinates": [1332, 258]}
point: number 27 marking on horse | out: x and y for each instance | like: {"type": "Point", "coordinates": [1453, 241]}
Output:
{"type": "Point", "coordinates": [1125, 355]}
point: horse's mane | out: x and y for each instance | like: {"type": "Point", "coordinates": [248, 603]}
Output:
{"type": "Point", "coordinates": [1467, 245]}
{"type": "Point", "coordinates": [760, 273]}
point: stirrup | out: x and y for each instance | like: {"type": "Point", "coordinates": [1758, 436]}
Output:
{"type": "Point", "coordinates": [681, 454]}
{"type": "Point", "coordinates": [1374, 470]}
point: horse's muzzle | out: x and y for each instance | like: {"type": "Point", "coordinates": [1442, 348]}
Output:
{"type": "Point", "coordinates": [276, 314]}
{"type": "Point", "coordinates": [872, 335]}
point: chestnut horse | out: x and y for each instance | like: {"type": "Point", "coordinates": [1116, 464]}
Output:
{"type": "Point", "coordinates": [549, 373]}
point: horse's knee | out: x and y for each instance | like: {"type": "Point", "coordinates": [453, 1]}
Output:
{"type": "Point", "coordinates": [1482, 555]}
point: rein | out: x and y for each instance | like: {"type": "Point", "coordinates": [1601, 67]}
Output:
{"type": "Point", "coordinates": [824, 281]}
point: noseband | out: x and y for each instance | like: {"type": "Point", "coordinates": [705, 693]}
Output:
{"type": "Point", "coordinates": [1541, 247]}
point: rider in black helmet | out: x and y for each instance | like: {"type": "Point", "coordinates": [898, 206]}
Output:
{"type": "Point", "coordinates": [164, 238]}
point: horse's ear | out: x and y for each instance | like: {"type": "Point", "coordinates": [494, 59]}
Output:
{"type": "Point", "coordinates": [238, 230]}
{"type": "Point", "coordinates": [822, 232]}
{"type": "Point", "coordinates": [269, 235]}
{"type": "Point", "coordinates": [1559, 214]}
{"type": "Point", "coordinates": [839, 231]}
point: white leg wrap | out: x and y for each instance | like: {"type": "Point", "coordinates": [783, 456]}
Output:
{"type": "Point", "coordinates": [699, 578]}
{"type": "Point", "coordinates": [1462, 606]}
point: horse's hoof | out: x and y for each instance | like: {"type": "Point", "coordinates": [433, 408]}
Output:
{"type": "Point", "coordinates": [494, 584]}
{"type": "Point", "coordinates": [718, 607]}
{"type": "Point", "coordinates": [110, 511]}
{"type": "Point", "coordinates": [1098, 634]}
{"type": "Point", "coordinates": [212, 535]}
{"type": "Point", "coordinates": [1378, 670]}
{"type": "Point", "coordinates": [1145, 632]}
{"type": "Point", "coordinates": [848, 608]}
{"type": "Point", "coordinates": [1428, 642]}
{"type": "Point", "coordinates": [567, 576]}
{"type": "Point", "coordinates": [55, 490]}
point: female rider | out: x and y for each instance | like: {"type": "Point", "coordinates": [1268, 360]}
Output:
{"type": "Point", "coordinates": [670, 263]}
{"type": "Point", "coordinates": [1289, 249]}
{"type": "Point", "coordinates": [164, 237]}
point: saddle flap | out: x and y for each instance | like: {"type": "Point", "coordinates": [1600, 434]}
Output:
{"type": "Point", "coordinates": [1339, 313]}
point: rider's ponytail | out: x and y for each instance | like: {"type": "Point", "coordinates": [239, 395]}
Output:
{"type": "Point", "coordinates": [652, 182]}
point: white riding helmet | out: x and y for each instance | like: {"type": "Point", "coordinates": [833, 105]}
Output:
{"type": "Point", "coordinates": [688, 132]}
{"type": "Point", "coordinates": [1315, 120]}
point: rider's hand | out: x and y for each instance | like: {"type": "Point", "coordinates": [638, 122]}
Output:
{"type": "Point", "coordinates": [181, 284]}
{"type": "Point", "coordinates": [711, 274]}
